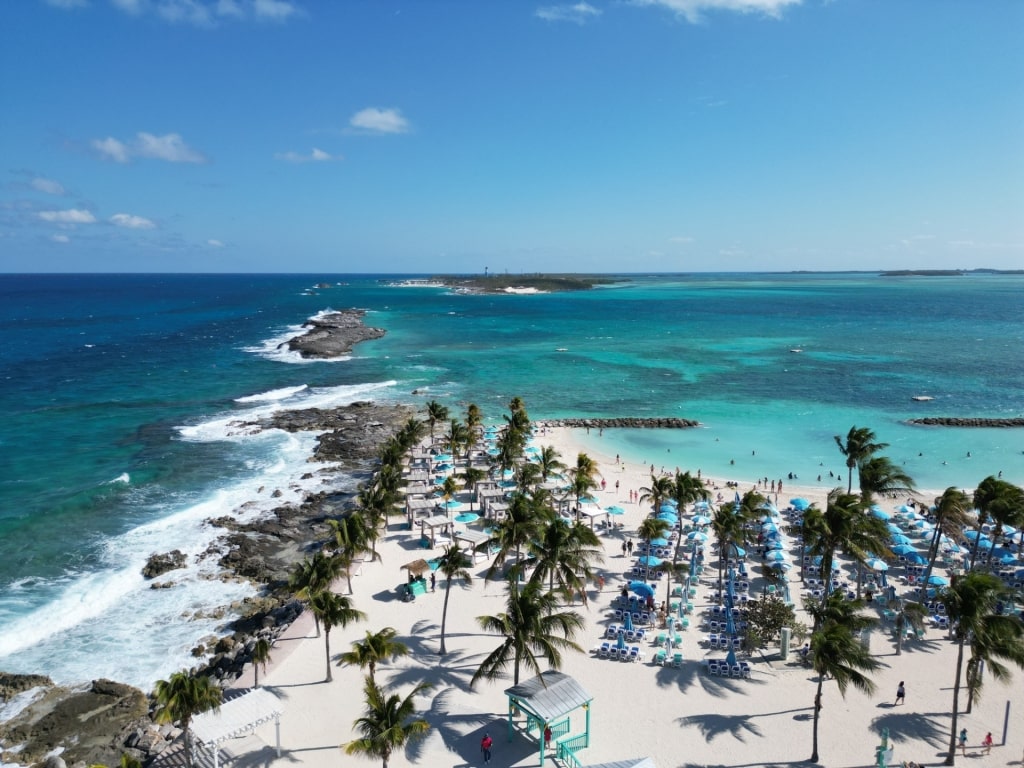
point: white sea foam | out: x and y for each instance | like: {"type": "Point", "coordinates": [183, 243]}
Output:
{"type": "Point", "coordinates": [108, 622]}
{"type": "Point", "coordinates": [274, 395]}
{"type": "Point", "coordinates": [124, 477]}
{"type": "Point", "coordinates": [276, 347]}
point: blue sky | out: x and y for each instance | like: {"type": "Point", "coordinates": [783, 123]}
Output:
{"type": "Point", "coordinates": [450, 136]}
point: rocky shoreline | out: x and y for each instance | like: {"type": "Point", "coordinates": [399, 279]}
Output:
{"type": "Point", "coordinates": [952, 421]}
{"type": "Point", "coordinates": [333, 335]}
{"type": "Point", "coordinates": [102, 721]}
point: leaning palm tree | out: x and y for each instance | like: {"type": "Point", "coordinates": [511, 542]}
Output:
{"type": "Point", "coordinates": [858, 447]}
{"type": "Point", "coordinates": [471, 476]}
{"type": "Point", "coordinates": [565, 555]}
{"type": "Point", "coordinates": [312, 576]}
{"type": "Point", "coordinates": [532, 627]}
{"type": "Point", "coordinates": [375, 648]}
{"type": "Point", "coordinates": [457, 437]}
{"type": "Point", "coordinates": [908, 613]}
{"type": "Point", "coordinates": [879, 476]}
{"type": "Point", "coordinates": [550, 462]}
{"type": "Point", "coordinates": [260, 658]}
{"type": "Point", "coordinates": [452, 566]}
{"type": "Point", "coordinates": [387, 724]}
{"type": "Point", "coordinates": [180, 698]}
{"type": "Point", "coordinates": [952, 514]}
{"type": "Point", "coordinates": [520, 526]}
{"type": "Point", "coordinates": [435, 413]}
{"type": "Point", "coordinates": [333, 610]}
{"type": "Point", "coordinates": [583, 478]}
{"type": "Point", "coordinates": [1000, 502]}
{"type": "Point", "coordinates": [971, 606]}
{"type": "Point", "coordinates": [659, 491]}
{"type": "Point", "coordinates": [838, 653]}
{"type": "Point", "coordinates": [650, 529]}
{"type": "Point", "coordinates": [729, 527]}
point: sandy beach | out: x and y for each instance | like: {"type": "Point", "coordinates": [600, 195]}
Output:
{"type": "Point", "coordinates": [677, 717]}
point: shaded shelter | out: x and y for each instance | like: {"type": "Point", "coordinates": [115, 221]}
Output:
{"type": "Point", "coordinates": [548, 700]}
{"type": "Point", "coordinates": [237, 718]}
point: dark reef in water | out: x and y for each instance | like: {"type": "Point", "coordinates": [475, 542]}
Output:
{"type": "Point", "coordinates": [952, 421]}
{"type": "Point", "coordinates": [333, 335]}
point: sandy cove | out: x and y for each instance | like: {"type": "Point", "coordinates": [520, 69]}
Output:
{"type": "Point", "coordinates": [677, 717]}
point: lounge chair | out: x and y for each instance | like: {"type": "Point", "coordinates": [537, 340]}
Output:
{"type": "Point", "coordinates": [659, 657]}
{"type": "Point", "coordinates": [677, 660]}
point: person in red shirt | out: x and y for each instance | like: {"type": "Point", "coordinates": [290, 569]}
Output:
{"type": "Point", "coordinates": [485, 746]}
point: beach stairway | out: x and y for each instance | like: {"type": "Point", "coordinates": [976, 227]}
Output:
{"type": "Point", "coordinates": [566, 748]}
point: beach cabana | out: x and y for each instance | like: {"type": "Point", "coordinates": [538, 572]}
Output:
{"type": "Point", "coordinates": [472, 539]}
{"type": "Point", "coordinates": [237, 718]}
{"type": "Point", "coordinates": [433, 523]}
{"type": "Point", "coordinates": [547, 701]}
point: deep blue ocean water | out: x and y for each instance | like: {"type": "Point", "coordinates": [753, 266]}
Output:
{"type": "Point", "coordinates": [119, 392]}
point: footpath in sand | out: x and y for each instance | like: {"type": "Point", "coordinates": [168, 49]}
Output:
{"type": "Point", "coordinates": [677, 717]}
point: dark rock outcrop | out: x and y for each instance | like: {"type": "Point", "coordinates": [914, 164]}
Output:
{"type": "Point", "coordinates": [90, 724]}
{"type": "Point", "coordinates": [159, 564]}
{"type": "Point", "coordinates": [333, 335]}
{"type": "Point", "coordinates": [951, 421]}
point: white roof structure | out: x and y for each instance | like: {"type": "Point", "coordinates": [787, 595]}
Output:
{"type": "Point", "coordinates": [236, 718]}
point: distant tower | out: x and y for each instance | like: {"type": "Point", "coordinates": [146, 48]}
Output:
{"type": "Point", "coordinates": [485, 271]}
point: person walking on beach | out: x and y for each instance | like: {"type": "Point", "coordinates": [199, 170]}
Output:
{"type": "Point", "coordinates": [987, 743]}
{"type": "Point", "coordinates": [433, 581]}
{"type": "Point", "coordinates": [485, 747]}
{"type": "Point", "coordinates": [901, 694]}
{"type": "Point", "coordinates": [963, 741]}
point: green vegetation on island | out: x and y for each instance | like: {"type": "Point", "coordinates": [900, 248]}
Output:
{"type": "Point", "coordinates": [510, 283]}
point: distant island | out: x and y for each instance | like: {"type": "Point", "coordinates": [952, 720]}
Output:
{"type": "Point", "coordinates": [532, 283]}
{"type": "Point", "coordinates": [948, 272]}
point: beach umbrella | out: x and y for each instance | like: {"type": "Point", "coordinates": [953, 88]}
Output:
{"type": "Point", "coordinates": [696, 536]}
{"type": "Point", "coordinates": [670, 517]}
{"type": "Point", "coordinates": [769, 527]}
{"type": "Point", "coordinates": [627, 621]}
{"type": "Point", "coordinates": [893, 529]}
{"type": "Point", "coordinates": [923, 525]}
{"type": "Point", "coordinates": [915, 558]}
{"type": "Point", "coordinates": [906, 509]}
{"type": "Point", "coordinates": [972, 535]}
{"type": "Point", "coordinates": [641, 588]}
{"type": "Point", "coordinates": [904, 549]}
{"type": "Point", "coordinates": [939, 581]}
{"type": "Point", "coordinates": [881, 514]}
{"type": "Point", "coordinates": [450, 505]}
{"type": "Point", "coordinates": [700, 519]}
{"type": "Point", "coordinates": [776, 555]}
{"type": "Point", "coordinates": [740, 551]}
{"type": "Point", "coordinates": [1003, 556]}
{"type": "Point", "coordinates": [701, 505]}
{"type": "Point", "coordinates": [620, 643]}
{"type": "Point", "coordinates": [730, 657]}
{"type": "Point", "coordinates": [651, 562]}
{"type": "Point", "coordinates": [900, 539]}
{"type": "Point", "coordinates": [780, 566]}
{"type": "Point", "coordinates": [659, 542]}
{"type": "Point", "coordinates": [799, 503]}
{"type": "Point", "coordinates": [877, 565]}
{"type": "Point", "coordinates": [615, 510]}
{"type": "Point", "coordinates": [730, 623]}
{"type": "Point", "coordinates": [774, 544]}
{"type": "Point", "coordinates": [467, 517]}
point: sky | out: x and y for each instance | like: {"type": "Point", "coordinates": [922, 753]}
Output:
{"type": "Point", "coordinates": [454, 136]}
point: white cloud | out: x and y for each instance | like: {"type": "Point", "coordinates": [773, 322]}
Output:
{"type": "Point", "coordinates": [215, 243]}
{"type": "Point", "coordinates": [316, 156]}
{"type": "Point", "coordinates": [60, 238]}
{"type": "Point", "coordinates": [71, 216]}
{"type": "Point", "coordinates": [205, 13]}
{"type": "Point", "coordinates": [128, 221]}
{"type": "Point", "coordinates": [579, 13]}
{"type": "Point", "coordinates": [170, 147]}
{"type": "Point", "coordinates": [377, 120]}
{"type": "Point", "coordinates": [691, 10]}
{"type": "Point", "coordinates": [49, 186]}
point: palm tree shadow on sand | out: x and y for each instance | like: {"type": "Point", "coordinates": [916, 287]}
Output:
{"type": "Point", "coordinates": [925, 726]}
{"type": "Point", "coordinates": [737, 726]}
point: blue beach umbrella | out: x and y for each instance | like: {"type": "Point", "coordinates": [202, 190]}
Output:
{"type": "Point", "coordinates": [651, 562]}
{"type": "Point", "coordinates": [620, 643]}
{"type": "Point", "coordinates": [881, 514]}
{"type": "Point", "coordinates": [915, 558]}
{"type": "Point", "coordinates": [776, 555]}
{"type": "Point", "coordinates": [615, 510]}
{"type": "Point", "coordinates": [877, 565]}
{"type": "Point", "coordinates": [627, 621]}
{"type": "Point", "coordinates": [659, 542]}
{"type": "Point", "coordinates": [904, 549]}
{"type": "Point", "coordinates": [696, 536]}
{"type": "Point", "coordinates": [972, 535]}
{"type": "Point", "coordinates": [667, 508]}
{"type": "Point", "coordinates": [730, 657]}
{"type": "Point", "coordinates": [780, 566]}
{"type": "Point", "coordinates": [700, 519]}
{"type": "Point", "coordinates": [641, 588]}
{"type": "Point", "coordinates": [900, 539]}
{"type": "Point", "coordinates": [740, 551]}
{"type": "Point", "coordinates": [799, 503]}
{"type": "Point", "coordinates": [669, 518]}
{"type": "Point", "coordinates": [774, 544]}
{"type": "Point", "coordinates": [893, 528]}
{"type": "Point", "coordinates": [939, 581]}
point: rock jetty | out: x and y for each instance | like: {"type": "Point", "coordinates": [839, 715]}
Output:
{"type": "Point", "coordinates": [624, 423]}
{"type": "Point", "coordinates": [333, 335]}
{"type": "Point", "coordinates": [951, 421]}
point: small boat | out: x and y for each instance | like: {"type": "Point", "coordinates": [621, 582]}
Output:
{"type": "Point", "coordinates": [562, 349]}
{"type": "Point", "coordinates": [796, 350]}
{"type": "Point", "coordinates": [922, 398]}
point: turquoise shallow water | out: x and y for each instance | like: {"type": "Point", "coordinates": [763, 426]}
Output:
{"type": "Point", "coordinates": [118, 392]}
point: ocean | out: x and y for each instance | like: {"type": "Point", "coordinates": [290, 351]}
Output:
{"type": "Point", "coordinates": [119, 393]}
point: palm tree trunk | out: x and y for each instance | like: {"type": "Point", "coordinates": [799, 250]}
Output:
{"type": "Point", "coordinates": [444, 615]}
{"type": "Point", "coordinates": [188, 742]}
{"type": "Point", "coordinates": [972, 679]}
{"type": "Point", "coordinates": [327, 649]}
{"type": "Point", "coordinates": [900, 627]}
{"type": "Point", "coordinates": [817, 716]}
{"type": "Point", "coordinates": [951, 757]}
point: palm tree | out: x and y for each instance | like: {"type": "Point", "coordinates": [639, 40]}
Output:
{"type": "Point", "coordinates": [687, 489]}
{"type": "Point", "coordinates": [729, 527]}
{"type": "Point", "coordinates": [180, 698]}
{"type": "Point", "coordinates": [375, 502]}
{"type": "Point", "coordinates": [457, 437]}
{"type": "Point", "coordinates": [583, 478]}
{"type": "Point", "coordinates": [838, 653]}
{"type": "Point", "coordinates": [472, 476]}
{"type": "Point", "coordinates": [858, 447]}
{"type": "Point", "coordinates": [333, 610]}
{"type": "Point", "coordinates": [952, 513]}
{"type": "Point", "coordinates": [310, 577]}
{"type": "Point", "coordinates": [453, 566]}
{"type": "Point", "coordinates": [998, 501]}
{"type": "Point", "coordinates": [387, 723]}
{"type": "Point", "coordinates": [550, 462]}
{"type": "Point", "coordinates": [474, 419]}
{"type": "Point", "coordinates": [532, 627]}
{"type": "Point", "coordinates": [351, 540]}
{"type": "Point", "coordinates": [260, 658]}
{"type": "Point", "coordinates": [908, 612]}
{"type": "Point", "coordinates": [435, 413]}
{"type": "Point", "coordinates": [517, 529]}
{"type": "Point", "coordinates": [660, 490]}
{"type": "Point", "coordinates": [878, 476]}
{"type": "Point", "coordinates": [650, 529]}
{"type": "Point", "coordinates": [375, 648]}
{"type": "Point", "coordinates": [410, 433]}
{"type": "Point", "coordinates": [564, 554]}
{"type": "Point", "coordinates": [971, 604]}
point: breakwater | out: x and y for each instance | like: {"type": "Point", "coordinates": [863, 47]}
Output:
{"type": "Point", "coordinates": [951, 421]}
{"type": "Point", "coordinates": [623, 423]}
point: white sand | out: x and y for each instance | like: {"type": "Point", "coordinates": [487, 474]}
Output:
{"type": "Point", "coordinates": [678, 717]}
